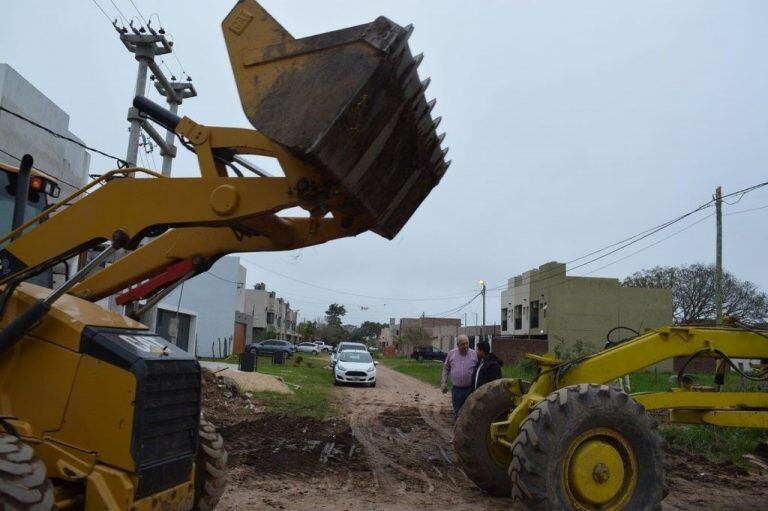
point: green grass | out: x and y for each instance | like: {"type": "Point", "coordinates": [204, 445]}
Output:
{"type": "Point", "coordinates": [714, 443]}
{"type": "Point", "coordinates": [431, 370]}
{"type": "Point", "coordinates": [311, 383]}
{"type": "Point", "coordinates": [232, 359]}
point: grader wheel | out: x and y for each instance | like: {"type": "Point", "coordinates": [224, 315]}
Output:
{"type": "Point", "coordinates": [588, 447]}
{"type": "Point", "coordinates": [484, 462]}
{"type": "Point", "coordinates": [23, 482]}
{"type": "Point", "coordinates": [210, 468]}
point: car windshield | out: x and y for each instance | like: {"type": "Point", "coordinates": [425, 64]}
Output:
{"type": "Point", "coordinates": [350, 346]}
{"type": "Point", "coordinates": [356, 356]}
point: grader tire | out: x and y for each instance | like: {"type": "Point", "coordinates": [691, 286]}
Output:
{"type": "Point", "coordinates": [210, 468]}
{"type": "Point", "coordinates": [588, 447]}
{"type": "Point", "coordinates": [24, 485]}
{"type": "Point", "coordinates": [485, 464]}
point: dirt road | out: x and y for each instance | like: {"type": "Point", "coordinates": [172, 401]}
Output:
{"type": "Point", "coordinates": [394, 453]}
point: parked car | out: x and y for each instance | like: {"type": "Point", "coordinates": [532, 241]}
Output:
{"type": "Point", "coordinates": [323, 347]}
{"type": "Point", "coordinates": [270, 346]}
{"type": "Point", "coordinates": [345, 346]}
{"type": "Point", "coordinates": [428, 353]}
{"type": "Point", "coordinates": [308, 347]}
{"type": "Point", "coordinates": [373, 349]}
{"type": "Point", "coordinates": [355, 366]}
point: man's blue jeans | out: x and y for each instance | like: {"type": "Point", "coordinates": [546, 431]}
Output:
{"type": "Point", "coordinates": [458, 396]}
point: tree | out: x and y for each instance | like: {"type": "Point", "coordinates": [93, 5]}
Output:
{"type": "Point", "coordinates": [368, 331]}
{"type": "Point", "coordinates": [693, 293]}
{"type": "Point", "coordinates": [307, 329]}
{"type": "Point", "coordinates": [331, 331]}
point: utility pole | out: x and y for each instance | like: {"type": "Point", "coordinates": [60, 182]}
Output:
{"type": "Point", "coordinates": [719, 257]}
{"type": "Point", "coordinates": [482, 327]}
{"type": "Point", "coordinates": [147, 43]}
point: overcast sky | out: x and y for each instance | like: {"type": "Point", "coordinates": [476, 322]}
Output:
{"type": "Point", "coordinates": [572, 125]}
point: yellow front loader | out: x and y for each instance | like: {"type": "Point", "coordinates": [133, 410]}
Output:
{"type": "Point", "coordinates": [97, 412]}
{"type": "Point", "coordinates": [571, 440]}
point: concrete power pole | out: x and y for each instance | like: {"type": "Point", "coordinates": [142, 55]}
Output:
{"type": "Point", "coordinates": [482, 327]}
{"type": "Point", "coordinates": [719, 256]}
{"type": "Point", "coordinates": [146, 46]}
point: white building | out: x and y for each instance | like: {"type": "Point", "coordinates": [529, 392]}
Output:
{"type": "Point", "coordinates": [67, 162]}
{"type": "Point", "coordinates": [201, 316]}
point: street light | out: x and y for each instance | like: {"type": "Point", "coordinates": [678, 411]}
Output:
{"type": "Point", "coordinates": [482, 327]}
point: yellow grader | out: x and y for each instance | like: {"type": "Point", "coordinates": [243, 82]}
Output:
{"type": "Point", "coordinates": [97, 412]}
{"type": "Point", "coordinates": [570, 440]}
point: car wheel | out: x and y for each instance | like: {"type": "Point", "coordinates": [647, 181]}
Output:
{"type": "Point", "coordinates": [314, 352]}
{"type": "Point", "coordinates": [420, 358]}
{"type": "Point", "coordinates": [372, 384]}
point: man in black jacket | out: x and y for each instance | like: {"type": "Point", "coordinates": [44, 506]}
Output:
{"type": "Point", "coordinates": [488, 366]}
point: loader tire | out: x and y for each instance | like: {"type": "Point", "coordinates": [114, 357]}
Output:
{"type": "Point", "coordinates": [484, 463]}
{"type": "Point", "coordinates": [588, 447]}
{"type": "Point", "coordinates": [210, 468]}
{"type": "Point", "coordinates": [24, 485]}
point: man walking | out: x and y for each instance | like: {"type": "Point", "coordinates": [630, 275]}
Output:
{"type": "Point", "coordinates": [488, 367]}
{"type": "Point", "coordinates": [459, 365]}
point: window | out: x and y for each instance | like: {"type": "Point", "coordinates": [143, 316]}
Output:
{"type": "Point", "coordinates": [518, 317]}
{"type": "Point", "coordinates": [270, 318]}
{"type": "Point", "coordinates": [504, 319]}
{"type": "Point", "coordinates": [534, 317]}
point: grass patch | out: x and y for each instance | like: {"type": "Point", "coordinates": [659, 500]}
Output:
{"type": "Point", "coordinates": [430, 371]}
{"type": "Point", "coordinates": [311, 399]}
{"type": "Point", "coordinates": [712, 442]}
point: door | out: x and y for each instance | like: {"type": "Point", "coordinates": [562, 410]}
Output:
{"type": "Point", "coordinates": [239, 342]}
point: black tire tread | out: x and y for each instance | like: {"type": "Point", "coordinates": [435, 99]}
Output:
{"type": "Point", "coordinates": [24, 485]}
{"type": "Point", "coordinates": [210, 468]}
{"type": "Point", "coordinates": [539, 430]}
{"type": "Point", "coordinates": [470, 433]}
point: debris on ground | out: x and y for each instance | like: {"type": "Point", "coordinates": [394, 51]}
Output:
{"type": "Point", "coordinates": [256, 382]}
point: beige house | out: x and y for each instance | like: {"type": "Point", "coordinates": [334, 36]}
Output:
{"type": "Point", "coordinates": [574, 314]}
{"type": "Point", "coordinates": [270, 312]}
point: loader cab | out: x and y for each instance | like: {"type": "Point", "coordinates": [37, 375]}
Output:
{"type": "Point", "coordinates": [42, 191]}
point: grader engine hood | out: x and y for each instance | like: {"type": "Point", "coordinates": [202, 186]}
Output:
{"type": "Point", "coordinates": [348, 102]}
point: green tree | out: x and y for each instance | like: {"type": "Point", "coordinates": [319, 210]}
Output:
{"type": "Point", "coordinates": [307, 329]}
{"type": "Point", "coordinates": [693, 293]}
{"type": "Point", "coordinates": [332, 331]}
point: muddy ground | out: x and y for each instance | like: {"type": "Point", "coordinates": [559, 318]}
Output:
{"type": "Point", "coordinates": [391, 450]}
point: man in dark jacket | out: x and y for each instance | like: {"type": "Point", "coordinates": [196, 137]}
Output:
{"type": "Point", "coordinates": [488, 367]}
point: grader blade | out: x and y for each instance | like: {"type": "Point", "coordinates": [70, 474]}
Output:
{"type": "Point", "coordinates": [348, 102]}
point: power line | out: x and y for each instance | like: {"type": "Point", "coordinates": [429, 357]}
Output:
{"type": "Point", "coordinates": [637, 237]}
{"type": "Point", "coordinates": [49, 174]}
{"type": "Point", "coordinates": [125, 20]}
{"type": "Point", "coordinates": [120, 162]}
{"type": "Point", "coordinates": [102, 11]}
{"type": "Point", "coordinates": [350, 293]}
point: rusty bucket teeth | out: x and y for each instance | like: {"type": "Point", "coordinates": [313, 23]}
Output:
{"type": "Point", "coordinates": [349, 103]}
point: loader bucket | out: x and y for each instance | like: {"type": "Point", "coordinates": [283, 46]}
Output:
{"type": "Point", "coordinates": [349, 102]}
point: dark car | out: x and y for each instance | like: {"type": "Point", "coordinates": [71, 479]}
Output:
{"type": "Point", "coordinates": [270, 346]}
{"type": "Point", "coordinates": [428, 353]}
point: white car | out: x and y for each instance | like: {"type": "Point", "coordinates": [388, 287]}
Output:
{"type": "Point", "coordinates": [322, 346]}
{"type": "Point", "coordinates": [355, 366]}
{"type": "Point", "coordinates": [342, 347]}
{"type": "Point", "coordinates": [308, 347]}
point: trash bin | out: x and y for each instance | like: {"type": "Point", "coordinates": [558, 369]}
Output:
{"type": "Point", "coordinates": [248, 362]}
{"type": "Point", "coordinates": [278, 357]}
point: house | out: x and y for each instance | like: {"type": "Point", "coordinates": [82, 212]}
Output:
{"type": "Point", "coordinates": [574, 314]}
{"type": "Point", "coordinates": [272, 315]}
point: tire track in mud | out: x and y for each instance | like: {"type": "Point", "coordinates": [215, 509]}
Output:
{"type": "Point", "coordinates": [405, 428]}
